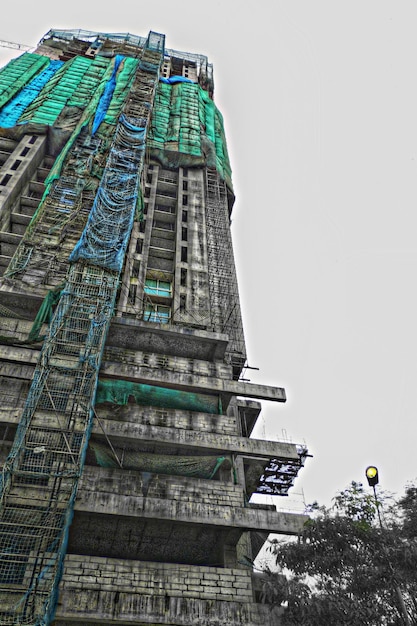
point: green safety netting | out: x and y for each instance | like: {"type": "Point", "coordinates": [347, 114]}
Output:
{"type": "Point", "coordinates": [125, 75]}
{"type": "Point", "coordinates": [18, 73]}
{"type": "Point", "coordinates": [121, 391]}
{"type": "Point", "coordinates": [13, 110]}
{"type": "Point", "coordinates": [187, 129]}
{"type": "Point", "coordinates": [193, 466]}
{"type": "Point", "coordinates": [90, 81]}
{"type": "Point", "coordinates": [44, 315]}
{"type": "Point", "coordinates": [123, 83]}
{"type": "Point", "coordinates": [47, 107]}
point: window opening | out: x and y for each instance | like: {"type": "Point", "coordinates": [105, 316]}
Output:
{"type": "Point", "coordinates": [132, 292]}
{"type": "Point", "coordinates": [164, 225]}
{"type": "Point", "coordinates": [165, 209]}
{"type": "Point", "coordinates": [156, 287]}
{"type": "Point", "coordinates": [158, 313]}
{"type": "Point", "coordinates": [139, 246]}
{"type": "Point", "coordinates": [5, 180]}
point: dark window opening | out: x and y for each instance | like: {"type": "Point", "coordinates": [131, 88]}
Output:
{"type": "Point", "coordinates": [183, 278]}
{"type": "Point", "coordinates": [15, 165]}
{"type": "Point", "coordinates": [184, 254]}
{"type": "Point", "coordinates": [132, 293]}
{"type": "Point", "coordinates": [6, 179]}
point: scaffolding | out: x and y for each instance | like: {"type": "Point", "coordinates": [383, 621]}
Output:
{"type": "Point", "coordinates": [223, 289]}
{"type": "Point", "coordinates": [40, 477]}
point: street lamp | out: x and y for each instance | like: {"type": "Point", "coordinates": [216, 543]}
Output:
{"type": "Point", "coordinates": [372, 477]}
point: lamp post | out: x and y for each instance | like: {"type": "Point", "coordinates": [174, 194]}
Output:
{"type": "Point", "coordinates": [371, 474]}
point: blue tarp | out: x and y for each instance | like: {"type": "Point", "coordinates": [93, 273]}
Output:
{"type": "Point", "coordinates": [11, 113]}
{"type": "Point", "coordinates": [175, 79]}
{"type": "Point", "coordinates": [105, 99]}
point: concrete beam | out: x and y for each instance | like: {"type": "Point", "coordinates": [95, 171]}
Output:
{"type": "Point", "coordinates": [94, 500]}
{"type": "Point", "coordinates": [130, 431]}
{"type": "Point", "coordinates": [190, 382]}
{"type": "Point", "coordinates": [172, 380]}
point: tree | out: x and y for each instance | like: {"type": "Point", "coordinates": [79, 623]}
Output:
{"type": "Point", "coordinates": [347, 570]}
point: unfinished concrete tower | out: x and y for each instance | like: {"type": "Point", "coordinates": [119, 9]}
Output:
{"type": "Point", "coordinates": [125, 425]}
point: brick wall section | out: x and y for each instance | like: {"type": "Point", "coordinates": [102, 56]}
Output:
{"type": "Point", "coordinates": [127, 482]}
{"type": "Point", "coordinates": [107, 591]}
{"type": "Point", "coordinates": [170, 418]}
{"type": "Point", "coordinates": [161, 579]}
{"type": "Point", "coordinates": [167, 362]}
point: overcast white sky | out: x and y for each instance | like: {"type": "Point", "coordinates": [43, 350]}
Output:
{"type": "Point", "coordinates": [320, 107]}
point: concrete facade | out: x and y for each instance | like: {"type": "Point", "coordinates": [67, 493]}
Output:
{"type": "Point", "coordinates": [153, 487]}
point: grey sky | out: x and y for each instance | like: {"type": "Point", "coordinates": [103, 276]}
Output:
{"type": "Point", "coordinates": [320, 107]}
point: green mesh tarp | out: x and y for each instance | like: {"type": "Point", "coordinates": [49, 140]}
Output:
{"type": "Point", "coordinates": [44, 314]}
{"type": "Point", "coordinates": [46, 108]}
{"type": "Point", "coordinates": [84, 120]}
{"type": "Point", "coordinates": [187, 124]}
{"type": "Point", "coordinates": [18, 73]}
{"type": "Point", "coordinates": [192, 466]}
{"type": "Point", "coordinates": [121, 391]}
{"type": "Point", "coordinates": [89, 82]}
{"type": "Point", "coordinates": [123, 82]}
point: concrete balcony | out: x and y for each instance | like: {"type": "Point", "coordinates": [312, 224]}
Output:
{"type": "Point", "coordinates": [125, 432]}
{"type": "Point", "coordinates": [194, 383]}
{"type": "Point", "coordinates": [178, 499]}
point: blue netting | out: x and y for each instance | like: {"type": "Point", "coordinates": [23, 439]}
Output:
{"type": "Point", "coordinates": [106, 234]}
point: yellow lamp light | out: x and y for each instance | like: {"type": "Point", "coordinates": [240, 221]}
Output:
{"type": "Point", "coordinates": [371, 473]}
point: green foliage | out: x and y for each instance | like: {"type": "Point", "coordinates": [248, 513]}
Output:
{"type": "Point", "coordinates": [345, 569]}
{"type": "Point", "coordinates": [408, 506]}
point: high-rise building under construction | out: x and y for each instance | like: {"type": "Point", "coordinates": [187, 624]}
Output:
{"type": "Point", "coordinates": [125, 424]}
